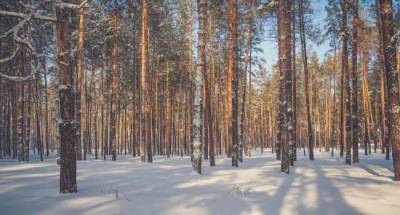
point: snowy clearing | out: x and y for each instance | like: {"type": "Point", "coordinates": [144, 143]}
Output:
{"type": "Point", "coordinates": [126, 186]}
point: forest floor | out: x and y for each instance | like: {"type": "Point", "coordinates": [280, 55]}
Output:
{"type": "Point", "coordinates": [127, 186]}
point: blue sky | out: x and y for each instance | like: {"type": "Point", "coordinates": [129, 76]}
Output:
{"type": "Point", "coordinates": [270, 46]}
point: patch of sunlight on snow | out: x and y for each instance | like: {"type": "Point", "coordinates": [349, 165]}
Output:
{"type": "Point", "coordinates": [32, 175]}
{"type": "Point", "coordinates": [201, 181]}
{"type": "Point", "coordinates": [167, 167]}
{"type": "Point", "coordinates": [290, 199]}
{"type": "Point", "coordinates": [194, 205]}
{"type": "Point", "coordinates": [11, 187]}
{"type": "Point", "coordinates": [23, 166]}
{"type": "Point", "coordinates": [254, 210]}
{"type": "Point", "coordinates": [79, 201]}
{"type": "Point", "coordinates": [310, 194]}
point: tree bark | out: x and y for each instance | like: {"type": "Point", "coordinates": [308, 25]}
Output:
{"type": "Point", "coordinates": [79, 83]}
{"type": "Point", "coordinates": [389, 47]}
{"type": "Point", "coordinates": [354, 62]}
{"type": "Point", "coordinates": [232, 82]}
{"type": "Point", "coordinates": [346, 73]}
{"type": "Point", "coordinates": [306, 80]}
{"type": "Point", "coordinates": [246, 71]}
{"type": "Point", "coordinates": [207, 95]}
{"type": "Point", "coordinates": [145, 87]}
{"type": "Point", "coordinates": [114, 85]}
{"type": "Point", "coordinates": [285, 67]}
{"type": "Point", "coordinates": [294, 85]}
{"type": "Point", "coordinates": [67, 116]}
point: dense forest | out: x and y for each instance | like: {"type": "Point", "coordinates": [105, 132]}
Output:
{"type": "Point", "coordinates": [104, 79]}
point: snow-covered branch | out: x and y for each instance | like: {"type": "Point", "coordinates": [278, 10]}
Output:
{"type": "Point", "coordinates": [396, 36]}
{"type": "Point", "coordinates": [61, 4]}
{"type": "Point", "coordinates": [267, 6]}
{"type": "Point", "coordinates": [15, 30]}
{"type": "Point", "coordinates": [10, 57]}
{"type": "Point", "coordinates": [19, 78]}
{"type": "Point", "coordinates": [22, 15]}
{"type": "Point", "coordinates": [25, 43]}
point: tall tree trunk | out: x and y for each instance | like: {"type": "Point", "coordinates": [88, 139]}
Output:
{"type": "Point", "coordinates": [191, 77]}
{"type": "Point", "coordinates": [146, 81]}
{"type": "Point", "coordinates": [145, 86]}
{"type": "Point", "coordinates": [285, 67]}
{"type": "Point", "coordinates": [333, 140]}
{"type": "Point", "coordinates": [196, 151]}
{"type": "Point", "coordinates": [79, 83]}
{"type": "Point", "coordinates": [389, 47]}
{"type": "Point", "coordinates": [114, 85]}
{"type": "Point", "coordinates": [66, 112]}
{"type": "Point", "coordinates": [306, 80]}
{"type": "Point", "coordinates": [38, 116]}
{"type": "Point", "coordinates": [294, 87]}
{"type": "Point", "coordinates": [289, 85]}
{"type": "Point", "coordinates": [354, 62]}
{"type": "Point", "coordinates": [46, 118]}
{"type": "Point", "coordinates": [346, 73]}
{"type": "Point", "coordinates": [21, 113]}
{"type": "Point", "coordinates": [246, 71]}
{"type": "Point", "coordinates": [203, 69]}
{"type": "Point", "coordinates": [383, 100]}
{"type": "Point", "coordinates": [232, 82]}
{"type": "Point", "coordinates": [365, 93]}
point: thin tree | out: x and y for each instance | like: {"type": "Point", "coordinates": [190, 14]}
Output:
{"type": "Point", "coordinates": [79, 83]}
{"type": "Point", "coordinates": [196, 145]}
{"type": "Point", "coordinates": [143, 73]}
{"type": "Point", "coordinates": [346, 91]}
{"type": "Point", "coordinates": [114, 85]}
{"type": "Point", "coordinates": [354, 62]}
{"type": "Point", "coordinates": [306, 79]}
{"type": "Point", "coordinates": [146, 80]}
{"type": "Point", "coordinates": [294, 85]}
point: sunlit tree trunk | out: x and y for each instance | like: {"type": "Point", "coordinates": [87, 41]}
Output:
{"type": "Point", "coordinates": [294, 84]}
{"type": "Point", "coordinates": [208, 126]}
{"type": "Point", "coordinates": [232, 83]}
{"type": "Point", "coordinates": [306, 80]}
{"type": "Point", "coordinates": [146, 145]}
{"type": "Point", "coordinates": [79, 83]}
{"type": "Point", "coordinates": [114, 85]}
{"type": "Point", "coordinates": [246, 71]}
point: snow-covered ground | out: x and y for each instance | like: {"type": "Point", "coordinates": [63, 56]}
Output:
{"type": "Point", "coordinates": [126, 186]}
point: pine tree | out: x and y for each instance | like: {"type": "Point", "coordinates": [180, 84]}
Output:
{"type": "Point", "coordinates": [393, 108]}
{"type": "Point", "coordinates": [346, 91]}
{"type": "Point", "coordinates": [354, 62]}
{"type": "Point", "coordinates": [306, 80]}
{"type": "Point", "coordinates": [232, 83]}
{"type": "Point", "coordinates": [66, 120]}
{"type": "Point", "coordinates": [284, 29]}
